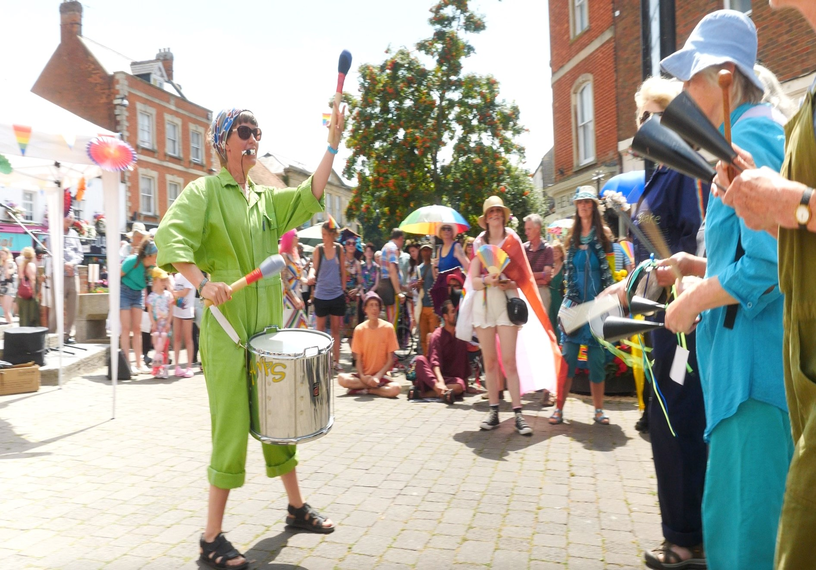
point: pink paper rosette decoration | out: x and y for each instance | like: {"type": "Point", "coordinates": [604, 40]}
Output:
{"type": "Point", "coordinates": [112, 154]}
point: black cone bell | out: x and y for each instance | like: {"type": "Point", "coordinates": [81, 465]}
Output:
{"type": "Point", "coordinates": [685, 118]}
{"type": "Point", "coordinates": [643, 306]}
{"type": "Point", "coordinates": [659, 144]}
{"type": "Point", "coordinates": [616, 328]}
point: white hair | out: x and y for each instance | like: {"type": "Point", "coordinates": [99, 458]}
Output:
{"type": "Point", "coordinates": [535, 218]}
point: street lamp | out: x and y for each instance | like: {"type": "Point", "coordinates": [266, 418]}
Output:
{"type": "Point", "coordinates": [597, 176]}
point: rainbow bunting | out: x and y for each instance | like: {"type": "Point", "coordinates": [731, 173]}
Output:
{"type": "Point", "coordinates": [23, 135]}
{"type": "Point", "coordinates": [326, 119]}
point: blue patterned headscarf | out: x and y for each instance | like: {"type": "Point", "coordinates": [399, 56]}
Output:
{"type": "Point", "coordinates": [221, 125]}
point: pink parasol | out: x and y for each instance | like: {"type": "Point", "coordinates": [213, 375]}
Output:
{"type": "Point", "coordinates": [111, 154]}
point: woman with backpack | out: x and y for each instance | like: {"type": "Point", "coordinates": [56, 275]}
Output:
{"type": "Point", "coordinates": [28, 307]}
{"type": "Point", "coordinates": [328, 277]}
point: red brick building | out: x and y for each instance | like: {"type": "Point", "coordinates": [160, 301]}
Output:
{"type": "Point", "coordinates": [139, 99]}
{"type": "Point", "coordinates": [596, 60]}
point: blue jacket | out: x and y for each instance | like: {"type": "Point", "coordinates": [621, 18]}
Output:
{"type": "Point", "coordinates": [746, 361]}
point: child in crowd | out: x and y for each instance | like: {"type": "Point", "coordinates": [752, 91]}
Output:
{"type": "Point", "coordinates": [158, 308]}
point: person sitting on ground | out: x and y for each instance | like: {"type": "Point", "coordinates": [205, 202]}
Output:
{"type": "Point", "coordinates": [373, 344]}
{"type": "Point", "coordinates": [444, 372]}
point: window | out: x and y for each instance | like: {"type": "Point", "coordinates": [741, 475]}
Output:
{"type": "Point", "coordinates": [580, 17]}
{"type": "Point", "coordinates": [147, 189]}
{"type": "Point", "coordinates": [585, 124]}
{"type": "Point", "coordinates": [338, 214]}
{"type": "Point", "coordinates": [173, 191]}
{"type": "Point", "coordinates": [28, 205]}
{"type": "Point", "coordinates": [196, 151]}
{"type": "Point", "coordinates": [741, 5]}
{"type": "Point", "coordinates": [173, 139]}
{"type": "Point", "coordinates": [145, 130]}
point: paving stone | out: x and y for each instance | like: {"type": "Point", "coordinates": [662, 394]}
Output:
{"type": "Point", "coordinates": [570, 496]}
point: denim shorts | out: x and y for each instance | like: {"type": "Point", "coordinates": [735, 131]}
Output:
{"type": "Point", "coordinates": [130, 299]}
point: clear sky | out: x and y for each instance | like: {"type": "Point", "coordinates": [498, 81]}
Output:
{"type": "Point", "coordinates": [279, 57]}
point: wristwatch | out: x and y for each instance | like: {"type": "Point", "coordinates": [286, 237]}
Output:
{"type": "Point", "coordinates": [803, 211]}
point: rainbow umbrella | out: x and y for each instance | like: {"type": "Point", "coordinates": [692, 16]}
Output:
{"type": "Point", "coordinates": [427, 219]}
{"type": "Point", "coordinates": [111, 154]}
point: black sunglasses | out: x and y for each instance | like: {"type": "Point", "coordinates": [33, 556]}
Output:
{"type": "Point", "coordinates": [646, 114]}
{"type": "Point", "coordinates": [446, 229]}
{"type": "Point", "coordinates": [244, 132]}
{"type": "Point", "coordinates": [351, 243]}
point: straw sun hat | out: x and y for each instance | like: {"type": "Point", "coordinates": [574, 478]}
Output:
{"type": "Point", "coordinates": [493, 202]}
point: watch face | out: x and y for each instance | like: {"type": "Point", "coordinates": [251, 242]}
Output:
{"type": "Point", "coordinates": [802, 214]}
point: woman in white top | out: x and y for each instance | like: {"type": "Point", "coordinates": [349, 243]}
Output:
{"type": "Point", "coordinates": [490, 317]}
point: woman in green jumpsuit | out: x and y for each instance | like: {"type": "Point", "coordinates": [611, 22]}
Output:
{"type": "Point", "coordinates": [225, 226]}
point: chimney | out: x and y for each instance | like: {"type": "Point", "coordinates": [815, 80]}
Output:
{"type": "Point", "coordinates": [70, 20]}
{"type": "Point", "coordinates": [165, 56]}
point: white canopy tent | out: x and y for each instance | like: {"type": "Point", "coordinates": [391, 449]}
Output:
{"type": "Point", "coordinates": [47, 148]}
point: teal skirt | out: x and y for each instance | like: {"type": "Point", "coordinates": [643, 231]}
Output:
{"type": "Point", "coordinates": [748, 458]}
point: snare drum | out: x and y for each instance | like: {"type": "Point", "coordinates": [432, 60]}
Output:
{"type": "Point", "coordinates": [290, 385]}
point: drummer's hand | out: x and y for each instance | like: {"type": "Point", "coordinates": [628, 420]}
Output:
{"type": "Point", "coordinates": [336, 125]}
{"type": "Point", "coordinates": [217, 293]}
{"type": "Point", "coordinates": [682, 314]}
{"type": "Point", "coordinates": [401, 297]}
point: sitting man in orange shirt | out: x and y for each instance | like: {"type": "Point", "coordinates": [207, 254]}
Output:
{"type": "Point", "coordinates": [373, 344]}
{"type": "Point", "coordinates": [445, 371]}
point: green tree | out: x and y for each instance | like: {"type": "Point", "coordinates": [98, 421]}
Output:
{"type": "Point", "coordinates": [422, 132]}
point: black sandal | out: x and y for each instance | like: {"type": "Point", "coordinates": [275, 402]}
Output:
{"type": "Point", "coordinates": [449, 397]}
{"type": "Point", "coordinates": [413, 394]}
{"type": "Point", "coordinates": [306, 518]}
{"type": "Point", "coordinates": [219, 552]}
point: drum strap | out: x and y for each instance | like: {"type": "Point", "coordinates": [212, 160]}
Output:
{"type": "Point", "coordinates": [225, 324]}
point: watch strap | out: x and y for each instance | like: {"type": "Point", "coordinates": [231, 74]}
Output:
{"type": "Point", "coordinates": [201, 286]}
{"type": "Point", "coordinates": [805, 201]}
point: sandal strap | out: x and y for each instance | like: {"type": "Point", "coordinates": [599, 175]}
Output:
{"type": "Point", "coordinates": [219, 550]}
{"type": "Point", "coordinates": [314, 517]}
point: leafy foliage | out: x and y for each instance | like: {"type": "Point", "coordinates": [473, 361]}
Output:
{"type": "Point", "coordinates": [429, 134]}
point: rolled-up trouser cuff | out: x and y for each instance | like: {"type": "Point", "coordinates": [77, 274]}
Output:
{"type": "Point", "coordinates": [225, 480]}
{"type": "Point", "coordinates": [280, 459]}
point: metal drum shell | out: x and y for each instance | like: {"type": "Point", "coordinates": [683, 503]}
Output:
{"type": "Point", "coordinates": [291, 395]}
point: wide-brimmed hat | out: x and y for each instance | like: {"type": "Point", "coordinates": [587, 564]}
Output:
{"type": "Point", "coordinates": [446, 225]}
{"type": "Point", "coordinates": [493, 202]}
{"type": "Point", "coordinates": [724, 36]}
{"type": "Point", "coordinates": [137, 228]}
{"type": "Point", "coordinates": [586, 193]}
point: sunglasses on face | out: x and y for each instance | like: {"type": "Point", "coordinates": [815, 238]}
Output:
{"type": "Point", "coordinates": [351, 243]}
{"type": "Point", "coordinates": [447, 229]}
{"type": "Point", "coordinates": [646, 114]}
{"type": "Point", "coordinates": [244, 132]}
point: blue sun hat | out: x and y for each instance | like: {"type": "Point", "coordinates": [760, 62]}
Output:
{"type": "Point", "coordinates": [724, 36]}
{"type": "Point", "coordinates": [586, 193]}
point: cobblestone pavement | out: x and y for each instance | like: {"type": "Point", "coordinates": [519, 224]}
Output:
{"type": "Point", "coordinates": [410, 484]}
